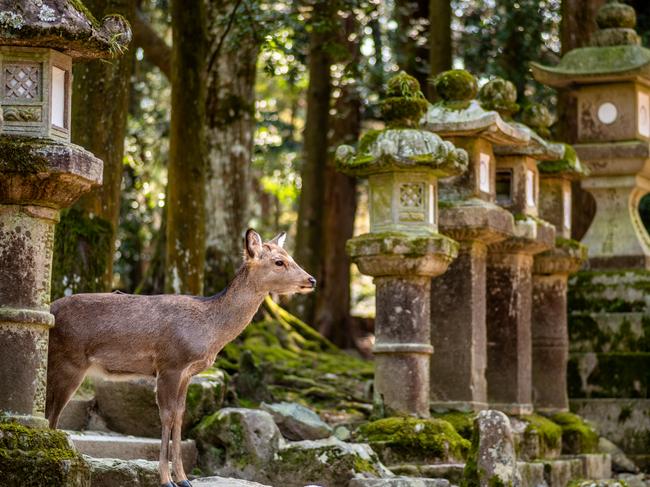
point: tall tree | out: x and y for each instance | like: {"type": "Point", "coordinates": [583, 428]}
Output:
{"type": "Point", "coordinates": [577, 25]}
{"type": "Point", "coordinates": [332, 312]}
{"type": "Point", "coordinates": [234, 40]}
{"type": "Point", "coordinates": [411, 42]}
{"type": "Point", "coordinates": [85, 238]}
{"type": "Point", "coordinates": [439, 37]}
{"type": "Point", "coordinates": [322, 25]}
{"type": "Point", "coordinates": [185, 247]}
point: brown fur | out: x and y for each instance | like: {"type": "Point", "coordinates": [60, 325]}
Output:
{"type": "Point", "coordinates": [169, 337]}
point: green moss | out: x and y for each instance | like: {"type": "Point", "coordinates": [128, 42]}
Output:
{"type": "Point", "coordinates": [549, 433]}
{"type": "Point", "coordinates": [405, 104]}
{"type": "Point", "coordinates": [80, 234]}
{"type": "Point", "coordinates": [537, 117]}
{"type": "Point", "coordinates": [367, 140]}
{"type": "Point", "coordinates": [79, 6]}
{"type": "Point", "coordinates": [34, 458]}
{"type": "Point", "coordinates": [568, 164]}
{"type": "Point", "coordinates": [471, 474]}
{"type": "Point", "coordinates": [19, 155]}
{"type": "Point", "coordinates": [456, 85]}
{"type": "Point", "coordinates": [462, 422]}
{"type": "Point", "coordinates": [577, 435]}
{"type": "Point", "coordinates": [431, 437]}
{"type": "Point", "coordinates": [499, 95]}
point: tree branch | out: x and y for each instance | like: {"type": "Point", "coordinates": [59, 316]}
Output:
{"type": "Point", "coordinates": [155, 48]}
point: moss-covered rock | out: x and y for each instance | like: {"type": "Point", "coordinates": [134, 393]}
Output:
{"type": "Point", "coordinates": [404, 104]}
{"type": "Point", "coordinates": [411, 440]}
{"type": "Point", "coordinates": [456, 85]}
{"type": "Point", "coordinates": [499, 95]}
{"type": "Point", "coordinates": [537, 117]}
{"type": "Point", "coordinates": [462, 422]}
{"type": "Point", "coordinates": [19, 155]}
{"type": "Point", "coordinates": [616, 14]}
{"type": "Point", "coordinates": [542, 438]}
{"type": "Point", "coordinates": [36, 458]}
{"type": "Point", "coordinates": [578, 436]}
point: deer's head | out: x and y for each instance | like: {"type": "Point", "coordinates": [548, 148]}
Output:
{"type": "Point", "coordinates": [272, 268]}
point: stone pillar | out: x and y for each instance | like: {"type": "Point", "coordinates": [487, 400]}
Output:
{"type": "Point", "coordinates": [470, 216]}
{"type": "Point", "coordinates": [550, 336]}
{"type": "Point", "coordinates": [551, 271]}
{"type": "Point", "coordinates": [403, 249]}
{"type": "Point", "coordinates": [40, 173]}
{"type": "Point", "coordinates": [402, 346]}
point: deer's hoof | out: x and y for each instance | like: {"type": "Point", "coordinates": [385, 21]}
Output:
{"type": "Point", "coordinates": [184, 483]}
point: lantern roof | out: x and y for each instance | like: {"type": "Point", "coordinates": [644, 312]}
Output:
{"type": "Point", "coordinates": [402, 146]}
{"type": "Point", "coordinates": [63, 25]}
{"type": "Point", "coordinates": [537, 147]}
{"type": "Point", "coordinates": [568, 165]}
{"type": "Point", "coordinates": [458, 113]}
{"type": "Point", "coordinates": [614, 54]}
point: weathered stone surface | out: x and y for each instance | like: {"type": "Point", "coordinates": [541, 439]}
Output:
{"type": "Point", "coordinates": [399, 482]}
{"type": "Point", "coordinates": [130, 407]}
{"type": "Point", "coordinates": [327, 463]}
{"type": "Point", "coordinates": [453, 472]}
{"type": "Point", "coordinates": [620, 462]}
{"type": "Point", "coordinates": [111, 445]}
{"type": "Point", "coordinates": [492, 458]}
{"type": "Point", "coordinates": [297, 422]}
{"type": "Point", "coordinates": [62, 25]}
{"type": "Point", "coordinates": [111, 472]}
{"type": "Point", "coordinates": [237, 442]}
{"type": "Point", "coordinates": [536, 437]}
{"type": "Point", "coordinates": [561, 472]}
{"type": "Point", "coordinates": [532, 474]}
{"type": "Point", "coordinates": [596, 465]}
{"type": "Point", "coordinates": [76, 414]}
{"type": "Point", "coordinates": [38, 457]}
{"type": "Point", "coordinates": [224, 482]}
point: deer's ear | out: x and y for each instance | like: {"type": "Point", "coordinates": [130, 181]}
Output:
{"type": "Point", "coordinates": [253, 243]}
{"type": "Point", "coordinates": [279, 239]}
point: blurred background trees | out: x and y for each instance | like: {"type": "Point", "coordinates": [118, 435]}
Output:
{"type": "Point", "coordinates": [225, 115]}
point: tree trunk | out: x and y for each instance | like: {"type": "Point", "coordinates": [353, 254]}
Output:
{"type": "Point", "coordinates": [439, 36]}
{"type": "Point", "coordinates": [186, 170]}
{"type": "Point", "coordinates": [411, 44]}
{"type": "Point", "coordinates": [332, 312]}
{"type": "Point", "coordinates": [85, 239]}
{"type": "Point", "coordinates": [230, 125]}
{"type": "Point", "coordinates": [578, 23]}
{"type": "Point", "coordinates": [312, 194]}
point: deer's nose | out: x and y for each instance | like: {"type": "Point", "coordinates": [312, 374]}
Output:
{"type": "Point", "coordinates": [312, 281]}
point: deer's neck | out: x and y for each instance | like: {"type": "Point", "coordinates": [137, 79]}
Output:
{"type": "Point", "coordinates": [235, 307]}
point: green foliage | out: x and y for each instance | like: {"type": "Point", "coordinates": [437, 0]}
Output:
{"type": "Point", "coordinates": [577, 435]}
{"type": "Point", "coordinates": [80, 233]}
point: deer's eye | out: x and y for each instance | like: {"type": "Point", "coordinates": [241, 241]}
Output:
{"type": "Point", "coordinates": [279, 263]}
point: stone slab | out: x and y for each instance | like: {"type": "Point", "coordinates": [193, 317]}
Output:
{"type": "Point", "coordinates": [76, 414]}
{"type": "Point", "coordinates": [224, 482]}
{"type": "Point", "coordinates": [102, 445]}
{"type": "Point", "coordinates": [399, 482]}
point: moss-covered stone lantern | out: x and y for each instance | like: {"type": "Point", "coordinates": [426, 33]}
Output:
{"type": "Point", "coordinates": [403, 250]}
{"type": "Point", "coordinates": [610, 80]}
{"type": "Point", "coordinates": [468, 214]}
{"type": "Point", "coordinates": [40, 173]}
{"type": "Point", "coordinates": [550, 275]}
{"type": "Point", "coordinates": [510, 264]}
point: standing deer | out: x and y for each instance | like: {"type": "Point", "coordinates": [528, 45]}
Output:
{"type": "Point", "coordinates": [169, 337]}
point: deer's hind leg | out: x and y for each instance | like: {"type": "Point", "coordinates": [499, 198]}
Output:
{"type": "Point", "coordinates": [177, 457]}
{"type": "Point", "coordinates": [64, 376]}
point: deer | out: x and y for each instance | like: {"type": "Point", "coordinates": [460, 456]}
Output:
{"type": "Point", "coordinates": [168, 337]}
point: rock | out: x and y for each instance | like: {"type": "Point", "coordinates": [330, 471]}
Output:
{"type": "Point", "coordinates": [224, 482]}
{"type": "Point", "coordinates": [75, 415]}
{"type": "Point", "coordinates": [326, 463]}
{"type": "Point", "coordinates": [342, 433]}
{"type": "Point", "coordinates": [492, 459]}
{"type": "Point", "coordinates": [130, 407]}
{"type": "Point", "coordinates": [237, 442]}
{"type": "Point", "coordinates": [110, 472]}
{"type": "Point", "coordinates": [297, 422]}
{"type": "Point", "coordinates": [620, 462]}
{"type": "Point", "coordinates": [532, 474]}
{"type": "Point", "coordinates": [251, 382]}
{"type": "Point", "coordinates": [399, 482]}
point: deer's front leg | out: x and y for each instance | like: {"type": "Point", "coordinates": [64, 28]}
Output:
{"type": "Point", "coordinates": [167, 386]}
{"type": "Point", "coordinates": [177, 457]}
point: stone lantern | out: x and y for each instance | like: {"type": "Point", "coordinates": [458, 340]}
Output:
{"type": "Point", "coordinates": [468, 214]}
{"type": "Point", "coordinates": [610, 80]}
{"type": "Point", "coordinates": [403, 250]}
{"type": "Point", "coordinates": [551, 271]}
{"type": "Point", "coordinates": [40, 173]}
{"type": "Point", "coordinates": [510, 263]}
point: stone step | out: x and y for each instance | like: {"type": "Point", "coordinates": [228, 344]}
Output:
{"type": "Point", "coordinates": [608, 332]}
{"type": "Point", "coordinates": [450, 471]}
{"type": "Point", "coordinates": [114, 446]}
{"type": "Point", "coordinates": [399, 482]}
{"type": "Point", "coordinates": [224, 482]}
